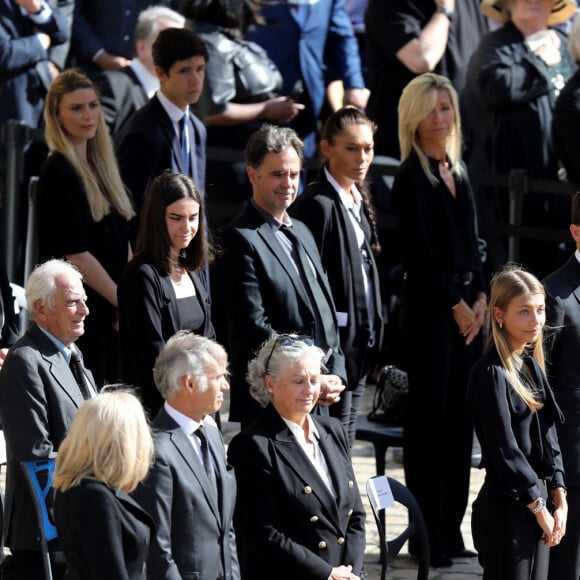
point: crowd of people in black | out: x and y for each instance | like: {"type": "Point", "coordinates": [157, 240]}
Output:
{"type": "Point", "coordinates": [177, 269]}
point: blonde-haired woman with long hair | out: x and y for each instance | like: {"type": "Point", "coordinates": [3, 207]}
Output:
{"type": "Point", "coordinates": [84, 210]}
{"type": "Point", "coordinates": [521, 509]}
{"type": "Point", "coordinates": [443, 304]}
{"type": "Point", "coordinates": [107, 452]}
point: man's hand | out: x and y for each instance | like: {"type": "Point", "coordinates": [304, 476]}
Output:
{"type": "Point", "coordinates": [108, 61]}
{"type": "Point", "coordinates": [330, 388]}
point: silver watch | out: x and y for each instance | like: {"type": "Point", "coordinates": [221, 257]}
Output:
{"type": "Point", "coordinates": [540, 505]}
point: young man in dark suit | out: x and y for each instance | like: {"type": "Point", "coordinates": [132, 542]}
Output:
{"type": "Point", "coordinates": [190, 491]}
{"type": "Point", "coordinates": [154, 139]}
{"type": "Point", "coordinates": [39, 397]}
{"type": "Point", "coordinates": [260, 283]}
{"type": "Point", "coordinates": [563, 348]}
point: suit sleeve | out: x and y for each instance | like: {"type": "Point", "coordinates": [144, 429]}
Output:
{"type": "Point", "coordinates": [94, 520]}
{"type": "Point", "coordinates": [256, 512]}
{"type": "Point", "coordinates": [155, 495]}
{"type": "Point", "coordinates": [85, 40]}
{"type": "Point", "coordinates": [26, 51]}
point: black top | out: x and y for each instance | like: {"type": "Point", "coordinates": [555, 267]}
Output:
{"type": "Point", "coordinates": [191, 314]}
{"type": "Point", "coordinates": [391, 25]}
{"type": "Point", "coordinates": [518, 447]}
{"type": "Point", "coordinates": [438, 233]}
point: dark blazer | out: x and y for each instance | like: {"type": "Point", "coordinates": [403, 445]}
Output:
{"type": "Point", "coordinates": [288, 524]}
{"type": "Point", "coordinates": [195, 537]}
{"type": "Point", "coordinates": [258, 292]}
{"type": "Point", "coordinates": [518, 447]}
{"type": "Point", "coordinates": [122, 95]}
{"type": "Point", "coordinates": [147, 145]}
{"type": "Point", "coordinates": [103, 533]}
{"type": "Point", "coordinates": [563, 349]}
{"type": "Point", "coordinates": [39, 398]}
{"type": "Point", "coordinates": [321, 209]}
{"type": "Point", "coordinates": [24, 74]}
{"type": "Point", "coordinates": [148, 317]}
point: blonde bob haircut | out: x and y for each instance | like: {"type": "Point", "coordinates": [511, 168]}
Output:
{"type": "Point", "coordinates": [109, 441]}
{"type": "Point", "coordinates": [99, 173]}
{"type": "Point", "coordinates": [417, 101]}
{"type": "Point", "coordinates": [505, 286]}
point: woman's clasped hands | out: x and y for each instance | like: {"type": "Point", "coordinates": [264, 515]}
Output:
{"type": "Point", "coordinates": [470, 320]}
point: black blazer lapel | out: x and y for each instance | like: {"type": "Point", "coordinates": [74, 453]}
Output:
{"type": "Point", "coordinates": [573, 274]}
{"type": "Point", "coordinates": [177, 162]}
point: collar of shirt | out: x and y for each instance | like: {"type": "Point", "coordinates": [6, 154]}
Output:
{"type": "Point", "coordinates": [298, 431]}
{"type": "Point", "coordinates": [186, 424]}
{"type": "Point", "coordinates": [149, 82]}
{"type": "Point", "coordinates": [273, 222]}
{"type": "Point", "coordinates": [174, 112]}
{"type": "Point", "coordinates": [62, 348]}
{"type": "Point", "coordinates": [577, 254]}
{"type": "Point", "coordinates": [347, 200]}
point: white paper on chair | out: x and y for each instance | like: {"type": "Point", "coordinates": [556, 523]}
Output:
{"type": "Point", "coordinates": [381, 490]}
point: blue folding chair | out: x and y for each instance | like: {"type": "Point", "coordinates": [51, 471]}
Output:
{"type": "Point", "coordinates": [39, 474]}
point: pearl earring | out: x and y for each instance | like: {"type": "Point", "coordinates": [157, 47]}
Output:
{"type": "Point", "coordinates": [501, 324]}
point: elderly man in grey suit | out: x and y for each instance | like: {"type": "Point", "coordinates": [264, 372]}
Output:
{"type": "Point", "coordinates": [190, 491]}
{"type": "Point", "coordinates": [563, 352]}
{"type": "Point", "coordinates": [42, 384]}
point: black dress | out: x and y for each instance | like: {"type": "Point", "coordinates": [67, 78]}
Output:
{"type": "Point", "coordinates": [67, 227]}
{"type": "Point", "coordinates": [441, 262]}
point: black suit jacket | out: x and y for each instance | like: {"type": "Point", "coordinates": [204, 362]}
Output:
{"type": "Point", "coordinates": [122, 95]}
{"type": "Point", "coordinates": [147, 145]}
{"type": "Point", "coordinates": [320, 208]}
{"type": "Point", "coordinates": [195, 535]}
{"type": "Point", "coordinates": [258, 291]}
{"type": "Point", "coordinates": [24, 74]}
{"type": "Point", "coordinates": [563, 353]}
{"type": "Point", "coordinates": [288, 523]}
{"type": "Point", "coordinates": [103, 533]}
{"type": "Point", "coordinates": [148, 318]}
{"type": "Point", "coordinates": [9, 331]}
{"type": "Point", "coordinates": [39, 398]}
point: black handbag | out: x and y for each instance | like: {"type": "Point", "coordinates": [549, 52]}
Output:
{"type": "Point", "coordinates": [390, 400]}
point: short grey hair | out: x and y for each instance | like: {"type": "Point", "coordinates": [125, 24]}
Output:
{"type": "Point", "coordinates": [271, 139]}
{"type": "Point", "coordinates": [274, 357]}
{"type": "Point", "coordinates": [186, 355]}
{"type": "Point", "coordinates": [41, 284]}
{"type": "Point", "coordinates": [149, 20]}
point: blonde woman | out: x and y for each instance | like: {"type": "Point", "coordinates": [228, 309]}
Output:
{"type": "Point", "coordinates": [103, 532]}
{"type": "Point", "coordinates": [521, 509]}
{"type": "Point", "coordinates": [443, 304]}
{"type": "Point", "coordinates": [84, 210]}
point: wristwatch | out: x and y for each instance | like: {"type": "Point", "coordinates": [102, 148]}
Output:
{"type": "Point", "coordinates": [442, 10]}
{"type": "Point", "coordinates": [540, 505]}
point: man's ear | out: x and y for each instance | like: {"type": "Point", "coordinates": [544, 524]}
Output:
{"type": "Point", "coordinates": [39, 309]}
{"type": "Point", "coordinates": [251, 171]}
{"type": "Point", "coordinates": [160, 74]}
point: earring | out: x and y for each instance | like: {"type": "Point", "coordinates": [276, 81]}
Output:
{"type": "Point", "coordinates": [501, 324]}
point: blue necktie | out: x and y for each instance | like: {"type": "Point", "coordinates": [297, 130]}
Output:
{"type": "Point", "coordinates": [184, 143]}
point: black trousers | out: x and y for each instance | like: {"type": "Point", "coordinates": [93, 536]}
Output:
{"type": "Point", "coordinates": [565, 558]}
{"type": "Point", "coordinates": [438, 430]}
{"type": "Point", "coordinates": [507, 538]}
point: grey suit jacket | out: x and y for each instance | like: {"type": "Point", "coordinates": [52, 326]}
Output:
{"type": "Point", "coordinates": [563, 350]}
{"type": "Point", "coordinates": [39, 398]}
{"type": "Point", "coordinates": [194, 537]}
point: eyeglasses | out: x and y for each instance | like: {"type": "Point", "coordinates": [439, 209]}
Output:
{"type": "Point", "coordinates": [286, 340]}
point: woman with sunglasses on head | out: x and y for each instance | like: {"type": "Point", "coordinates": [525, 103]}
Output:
{"type": "Point", "coordinates": [338, 210]}
{"type": "Point", "coordinates": [298, 510]}
{"type": "Point", "coordinates": [163, 289]}
{"type": "Point", "coordinates": [521, 509]}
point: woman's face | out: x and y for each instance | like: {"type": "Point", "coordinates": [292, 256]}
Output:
{"type": "Point", "coordinates": [436, 127]}
{"type": "Point", "coordinates": [351, 154]}
{"type": "Point", "coordinates": [523, 319]}
{"type": "Point", "coordinates": [529, 12]}
{"type": "Point", "coordinates": [182, 219]}
{"type": "Point", "coordinates": [78, 114]}
{"type": "Point", "coordinates": [296, 392]}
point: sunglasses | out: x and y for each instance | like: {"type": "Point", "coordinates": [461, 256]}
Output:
{"type": "Point", "coordinates": [286, 340]}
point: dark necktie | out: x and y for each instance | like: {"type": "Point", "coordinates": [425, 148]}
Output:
{"type": "Point", "coordinates": [206, 457]}
{"type": "Point", "coordinates": [319, 301]}
{"type": "Point", "coordinates": [77, 371]}
{"type": "Point", "coordinates": [184, 143]}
